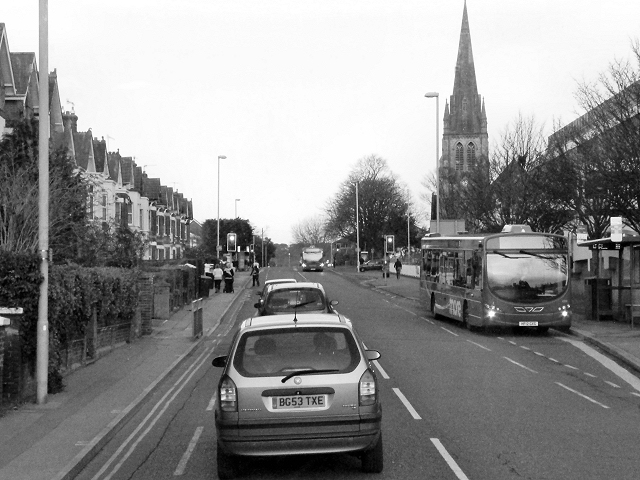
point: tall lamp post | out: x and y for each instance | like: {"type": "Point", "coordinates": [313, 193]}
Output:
{"type": "Point", "coordinates": [437, 97]}
{"type": "Point", "coordinates": [357, 233]}
{"type": "Point", "coordinates": [237, 200]}
{"type": "Point", "coordinates": [218, 237]}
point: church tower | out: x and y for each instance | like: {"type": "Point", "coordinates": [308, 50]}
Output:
{"type": "Point", "coordinates": [465, 142]}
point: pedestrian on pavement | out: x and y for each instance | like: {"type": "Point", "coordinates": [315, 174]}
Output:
{"type": "Point", "coordinates": [398, 267]}
{"type": "Point", "coordinates": [217, 277]}
{"type": "Point", "coordinates": [227, 276]}
{"type": "Point", "coordinates": [255, 274]}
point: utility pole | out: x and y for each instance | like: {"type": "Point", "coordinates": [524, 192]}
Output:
{"type": "Point", "coordinates": [42, 336]}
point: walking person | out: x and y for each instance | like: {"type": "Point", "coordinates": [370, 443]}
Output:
{"type": "Point", "coordinates": [398, 267]}
{"type": "Point", "coordinates": [217, 277]}
{"type": "Point", "coordinates": [255, 274]}
{"type": "Point", "coordinates": [227, 276]}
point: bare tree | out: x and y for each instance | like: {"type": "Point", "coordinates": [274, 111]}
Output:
{"type": "Point", "coordinates": [310, 231]}
{"type": "Point", "coordinates": [610, 132]}
{"type": "Point", "coordinates": [383, 206]}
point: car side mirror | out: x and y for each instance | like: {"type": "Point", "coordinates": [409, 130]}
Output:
{"type": "Point", "coordinates": [219, 361]}
{"type": "Point", "coordinates": [334, 302]}
{"type": "Point", "coordinates": [371, 354]}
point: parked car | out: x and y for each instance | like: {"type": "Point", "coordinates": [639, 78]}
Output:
{"type": "Point", "coordinates": [372, 265]}
{"type": "Point", "coordinates": [297, 384]}
{"type": "Point", "coordinates": [299, 297]}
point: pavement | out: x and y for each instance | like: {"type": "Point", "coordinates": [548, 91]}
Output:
{"type": "Point", "coordinates": [55, 441]}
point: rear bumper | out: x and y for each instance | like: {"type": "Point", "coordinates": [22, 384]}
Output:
{"type": "Point", "coordinates": [307, 438]}
{"type": "Point", "coordinates": [299, 444]}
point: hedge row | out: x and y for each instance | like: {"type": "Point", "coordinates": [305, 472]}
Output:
{"type": "Point", "coordinates": [74, 294]}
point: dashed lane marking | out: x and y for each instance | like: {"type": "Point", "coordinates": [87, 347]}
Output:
{"type": "Point", "coordinates": [407, 405]}
{"type": "Point", "coordinates": [520, 365]}
{"type": "Point", "coordinates": [449, 459]}
{"type": "Point", "coordinates": [582, 395]}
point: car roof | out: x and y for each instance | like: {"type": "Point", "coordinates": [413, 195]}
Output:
{"type": "Point", "coordinates": [296, 286]}
{"type": "Point", "coordinates": [280, 280]}
{"type": "Point", "coordinates": [291, 319]}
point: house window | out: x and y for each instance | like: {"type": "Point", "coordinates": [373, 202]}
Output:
{"type": "Point", "coordinates": [459, 157]}
{"type": "Point", "coordinates": [471, 156]}
{"type": "Point", "coordinates": [141, 219]}
{"type": "Point", "coordinates": [129, 214]}
{"type": "Point", "coordinates": [103, 204]}
{"type": "Point", "coordinates": [91, 200]}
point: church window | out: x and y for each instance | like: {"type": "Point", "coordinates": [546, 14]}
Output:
{"type": "Point", "coordinates": [471, 155]}
{"type": "Point", "coordinates": [459, 157]}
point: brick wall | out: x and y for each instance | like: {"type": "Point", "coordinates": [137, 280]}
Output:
{"type": "Point", "coordinates": [145, 304]}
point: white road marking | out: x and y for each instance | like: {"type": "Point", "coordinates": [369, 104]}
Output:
{"type": "Point", "coordinates": [449, 459]}
{"type": "Point", "coordinates": [185, 458]}
{"type": "Point", "coordinates": [407, 310]}
{"type": "Point", "coordinates": [168, 397]}
{"type": "Point", "coordinates": [570, 366]}
{"type": "Point", "coordinates": [381, 370]}
{"type": "Point", "coordinates": [512, 342]}
{"type": "Point", "coordinates": [635, 393]}
{"type": "Point", "coordinates": [428, 320]}
{"type": "Point", "coordinates": [519, 364]}
{"type": "Point", "coordinates": [553, 360]}
{"type": "Point", "coordinates": [582, 395]}
{"type": "Point", "coordinates": [590, 375]}
{"type": "Point", "coordinates": [524, 348]}
{"type": "Point", "coordinates": [212, 403]}
{"type": "Point", "coordinates": [540, 354]}
{"type": "Point", "coordinates": [478, 345]}
{"type": "Point", "coordinates": [449, 331]}
{"type": "Point", "coordinates": [407, 405]}
{"type": "Point", "coordinates": [612, 384]}
{"type": "Point", "coordinates": [607, 362]}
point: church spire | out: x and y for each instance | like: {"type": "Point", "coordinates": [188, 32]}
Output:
{"type": "Point", "coordinates": [465, 103]}
{"type": "Point", "coordinates": [465, 79]}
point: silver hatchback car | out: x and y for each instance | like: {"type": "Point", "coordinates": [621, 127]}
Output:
{"type": "Point", "coordinates": [297, 385]}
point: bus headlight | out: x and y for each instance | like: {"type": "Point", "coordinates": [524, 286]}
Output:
{"type": "Point", "coordinates": [491, 310]}
{"type": "Point", "coordinates": [565, 310]}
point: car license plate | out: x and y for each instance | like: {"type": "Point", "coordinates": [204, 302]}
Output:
{"type": "Point", "coordinates": [528, 324]}
{"type": "Point", "coordinates": [294, 402]}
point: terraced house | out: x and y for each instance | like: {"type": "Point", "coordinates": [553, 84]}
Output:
{"type": "Point", "coordinates": [121, 193]}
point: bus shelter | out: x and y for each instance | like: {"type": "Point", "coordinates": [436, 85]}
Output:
{"type": "Point", "coordinates": [600, 291]}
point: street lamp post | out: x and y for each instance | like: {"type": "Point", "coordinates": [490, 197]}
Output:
{"type": "Point", "coordinates": [357, 233]}
{"type": "Point", "coordinates": [437, 97]}
{"type": "Point", "coordinates": [218, 236]}
{"type": "Point", "coordinates": [237, 200]}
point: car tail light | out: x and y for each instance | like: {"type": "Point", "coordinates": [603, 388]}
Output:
{"type": "Point", "coordinates": [228, 395]}
{"type": "Point", "coordinates": [367, 388]}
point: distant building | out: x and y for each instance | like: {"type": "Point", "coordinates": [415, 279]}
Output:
{"type": "Point", "coordinates": [464, 138]}
{"type": "Point", "coordinates": [120, 191]}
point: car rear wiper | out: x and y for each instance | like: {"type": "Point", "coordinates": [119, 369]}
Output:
{"type": "Point", "coordinates": [504, 255]}
{"type": "Point", "coordinates": [533, 254]}
{"type": "Point", "coordinates": [307, 372]}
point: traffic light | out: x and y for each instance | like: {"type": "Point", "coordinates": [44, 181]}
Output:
{"type": "Point", "coordinates": [389, 244]}
{"type": "Point", "coordinates": [231, 242]}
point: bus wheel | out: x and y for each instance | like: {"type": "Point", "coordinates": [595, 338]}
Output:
{"type": "Point", "coordinates": [542, 329]}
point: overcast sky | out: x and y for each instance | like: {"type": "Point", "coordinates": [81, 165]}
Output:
{"type": "Point", "coordinates": [294, 92]}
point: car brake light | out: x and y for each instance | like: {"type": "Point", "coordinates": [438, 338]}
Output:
{"type": "Point", "coordinates": [228, 395]}
{"type": "Point", "coordinates": [367, 388]}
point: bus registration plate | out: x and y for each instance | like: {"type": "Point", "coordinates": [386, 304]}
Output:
{"type": "Point", "coordinates": [298, 401]}
{"type": "Point", "coordinates": [528, 324]}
